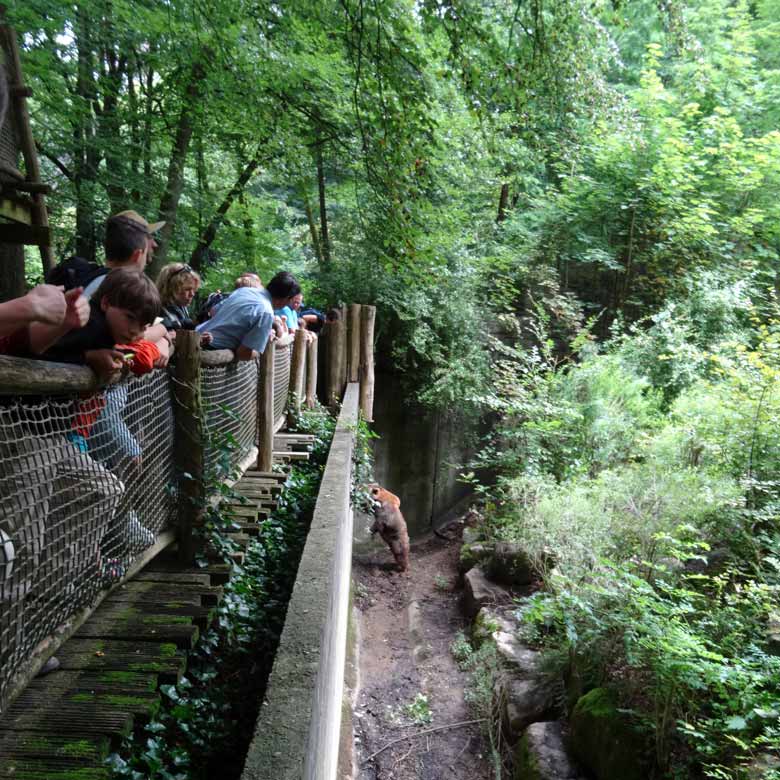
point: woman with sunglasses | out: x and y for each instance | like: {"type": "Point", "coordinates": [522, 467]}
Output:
{"type": "Point", "coordinates": [178, 284]}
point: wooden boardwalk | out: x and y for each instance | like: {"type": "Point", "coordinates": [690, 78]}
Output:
{"type": "Point", "coordinates": [64, 725]}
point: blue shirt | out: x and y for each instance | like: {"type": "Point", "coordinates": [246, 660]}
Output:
{"type": "Point", "coordinates": [245, 318]}
{"type": "Point", "coordinates": [291, 314]}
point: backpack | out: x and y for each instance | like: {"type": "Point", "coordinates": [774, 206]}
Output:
{"type": "Point", "coordinates": [75, 272]}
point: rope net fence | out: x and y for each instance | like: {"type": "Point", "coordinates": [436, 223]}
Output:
{"type": "Point", "coordinates": [282, 359]}
{"type": "Point", "coordinates": [230, 402]}
{"type": "Point", "coordinates": [87, 484]}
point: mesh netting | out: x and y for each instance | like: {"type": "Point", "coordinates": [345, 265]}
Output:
{"type": "Point", "coordinates": [230, 402]}
{"type": "Point", "coordinates": [282, 360]}
{"type": "Point", "coordinates": [86, 487]}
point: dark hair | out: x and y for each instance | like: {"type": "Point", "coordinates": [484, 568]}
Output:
{"type": "Point", "coordinates": [123, 237]}
{"type": "Point", "coordinates": [283, 285]}
{"type": "Point", "coordinates": [128, 288]}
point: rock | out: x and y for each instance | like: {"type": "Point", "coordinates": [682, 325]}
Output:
{"type": "Point", "coordinates": [760, 767]}
{"type": "Point", "coordinates": [524, 702]}
{"type": "Point", "coordinates": [520, 660]}
{"type": "Point", "coordinates": [479, 592]}
{"type": "Point", "coordinates": [773, 633]}
{"type": "Point", "coordinates": [509, 564]}
{"type": "Point", "coordinates": [472, 555]}
{"type": "Point", "coordinates": [488, 623]}
{"type": "Point", "coordinates": [541, 754]}
{"type": "Point", "coordinates": [604, 742]}
{"type": "Point", "coordinates": [472, 535]}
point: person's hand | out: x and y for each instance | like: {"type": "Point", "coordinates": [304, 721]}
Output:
{"type": "Point", "coordinates": [171, 336]}
{"type": "Point", "coordinates": [205, 339]}
{"type": "Point", "coordinates": [105, 362]}
{"type": "Point", "coordinates": [164, 349]}
{"type": "Point", "coordinates": [77, 309]}
{"type": "Point", "coordinates": [47, 304]}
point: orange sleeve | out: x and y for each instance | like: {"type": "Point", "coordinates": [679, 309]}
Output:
{"type": "Point", "coordinates": [144, 352]}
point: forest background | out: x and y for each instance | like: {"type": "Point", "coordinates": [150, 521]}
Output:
{"type": "Point", "coordinates": [568, 215]}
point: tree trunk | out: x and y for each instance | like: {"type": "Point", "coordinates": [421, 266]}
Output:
{"type": "Point", "coordinates": [324, 237]}
{"type": "Point", "coordinates": [86, 155]}
{"type": "Point", "coordinates": [209, 234]}
{"type": "Point", "coordinates": [315, 239]}
{"type": "Point", "coordinates": [169, 203]}
{"type": "Point", "coordinates": [503, 199]}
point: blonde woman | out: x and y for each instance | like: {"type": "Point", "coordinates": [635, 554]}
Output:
{"type": "Point", "coordinates": [178, 284]}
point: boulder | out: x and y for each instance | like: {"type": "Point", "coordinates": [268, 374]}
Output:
{"type": "Point", "coordinates": [471, 535]}
{"type": "Point", "coordinates": [604, 741]}
{"type": "Point", "coordinates": [773, 633]}
{"type": "Point", "coordinates": [761, 766]}
{"type": "Point", "coordinates": [488, 623]}
{"type": "Point", "coordinates": [479, 592]}
{"type": "Point", "coordinates": [509, 564]}
{"type": "Point", "coordinates": [523, 702]}
{"type": "Point", "coordinates": [521, 661]}
{"type": "Point", "coordinates": [541, 754]}
{"type": "Point", "coordinates": [472, 555]}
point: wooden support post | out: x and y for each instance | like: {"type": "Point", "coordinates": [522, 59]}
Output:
{"type": "Point", "coordinates": [19, 109]}
{"type": "Point", "coordinates": [343, 351]}
{"type": "Point", "coordinates": [297, 370]}
{"type": "Point", "coordinates": [367, 317]}
{"type": "Point", "coordinates": [336, 359]}
{"type": "Point", "coordinates": [188, 441]}
{"type": "Point", "coordinates": [265, 409]}
{"type": "Point", "coordinates": [353, 341]}
{"type": "Point", "coordinates": [311, 373]}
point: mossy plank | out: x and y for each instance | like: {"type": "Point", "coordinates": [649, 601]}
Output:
{"type": "Point", "coordinates": [118, 655]}
{"type": "Point", "coordinates": [200, 616]}
{"type": "Point", "coordinates": [18, 744]}
{"type": "Point", "coordinates": [119, 681]}
{"type": "Point", "coordinates": [156, 592]}
{"type": "Point", "coordinates": [243, 510]}
{"type": "Point", "coordinates": [80, 719]}
{"type": "Point", "coordinates": [51, 769]}
{"type": "Point", "coordinates": [163, 628]}
{"type": "Point", "coordinates": [173, 577]}
{"type": "Point", "coordinates": [53, 705]}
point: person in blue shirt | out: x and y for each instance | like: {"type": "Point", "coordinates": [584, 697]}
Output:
{"type": "Point", "coordinates": [243, 322]}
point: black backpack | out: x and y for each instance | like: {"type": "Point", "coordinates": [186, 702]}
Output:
{"type": "Point", "coordinates": [75, 272]}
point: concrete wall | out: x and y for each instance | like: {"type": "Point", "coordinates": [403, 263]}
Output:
{"type": "Point", "coordinates": [412, 457]}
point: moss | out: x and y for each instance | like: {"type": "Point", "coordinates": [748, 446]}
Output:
{"type": "Point", "coordinates": [125, 700]}
{"type": "Point", "coordinates": [168, 649]}
{"type": "Point", "coordinates": [148, 666]}
{"type": "Point", "coordinates": [166, 619]}
{"type": "Point", "coordinates": [83, 696]}
{"type": "Point", "coordinates": [525, 764]}
{"type": "Point", "coordinates": [81, 748]}
{"type": "Point", "coordinates": [23, 771]}
{"type": "Point", "coordinates": [173, 604]}
{"type": "Point", "coordinates": [124, 677]}
{"type": "Point", "coordinates": [599, 703]}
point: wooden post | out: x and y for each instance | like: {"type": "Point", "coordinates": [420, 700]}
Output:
{"type": "Point", "coordinates": [367, 317]}
{"type": "Point", "coordinates": [188, 441]}
{"type": "Point", "coordinates": [297, 369]}
{"type": "Point", "coordinates": [343, 351]}
{"type": "Point", "coordinates": [336, 358]}
{"type": "Point", "coordinates": [265, 409]}
{"type": "Point", "coordinates": [353, 341]}
{"type": "Point", "coordinates": [311, 373]}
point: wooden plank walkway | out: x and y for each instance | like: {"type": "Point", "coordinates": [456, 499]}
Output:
{"type": "Point", "coordinates": [64, 725]}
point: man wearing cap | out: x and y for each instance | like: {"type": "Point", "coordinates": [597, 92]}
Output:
{"type": "Point", "coordinates": [129, 241]}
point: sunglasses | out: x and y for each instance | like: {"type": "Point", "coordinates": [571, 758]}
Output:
{"type": "Point", "coordinates": [181, 270]}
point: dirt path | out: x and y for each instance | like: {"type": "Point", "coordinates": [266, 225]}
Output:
{"type": "Point", "coordinates": [407, 623]}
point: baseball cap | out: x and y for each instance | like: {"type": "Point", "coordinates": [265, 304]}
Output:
{"type": "Point", "coordinates": [136, 217]}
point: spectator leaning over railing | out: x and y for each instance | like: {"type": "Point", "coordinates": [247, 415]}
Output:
{"type": "Point", "coordinates": [244, 321]}
{"type": "Point", "coordinates": [177, 284]}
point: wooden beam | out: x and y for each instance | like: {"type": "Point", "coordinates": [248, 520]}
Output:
{"type": "Point", "coordinates": [16, 209]}
{"type": "Point", "coordinates": [30, 235]}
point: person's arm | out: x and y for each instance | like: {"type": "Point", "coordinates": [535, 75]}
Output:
{"type": "Point", "coordinates": [155, 332]}
{"type": "Point", "coordinates": [42, 335]}
{"type": "Point", "coordinates": [245, 353]}
{"type": "Point", "coordinates": [44, 303]}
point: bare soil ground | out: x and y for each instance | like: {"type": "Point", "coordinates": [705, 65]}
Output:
{"type": "Point", "coordinates": [407, 623]}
